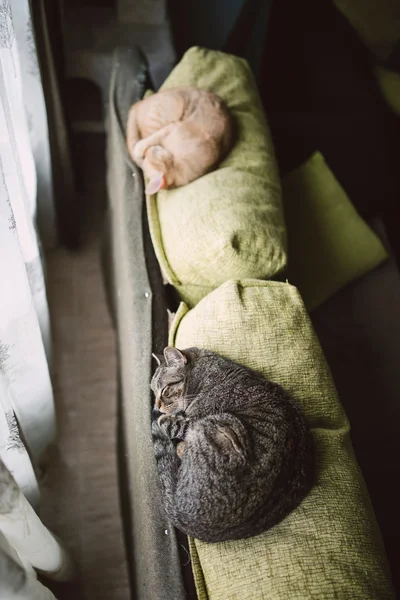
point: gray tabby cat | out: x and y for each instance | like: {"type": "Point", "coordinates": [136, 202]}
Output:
{"type": "Point", "coordinates": [234, 452]}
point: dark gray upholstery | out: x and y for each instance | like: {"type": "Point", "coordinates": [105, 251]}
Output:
{"type": "Point", "coordinates": [136, 296]}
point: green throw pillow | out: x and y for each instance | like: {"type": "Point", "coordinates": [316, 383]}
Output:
{"type": "Point", "coordinates": [389, 83]}
{"type": "Point", "coordinates": [228, 223]}
{"type": "Point", "coordinates": [329, 243]}
{"type": "Point", "coordinates": [330, 546]}
{"type": "Point", "coordinates": [376, 21]}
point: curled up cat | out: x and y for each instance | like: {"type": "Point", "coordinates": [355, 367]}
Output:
{"type": "Point", "coordinates": [175, 136]}
{"type": "Point", "coordinates": [234, 452]}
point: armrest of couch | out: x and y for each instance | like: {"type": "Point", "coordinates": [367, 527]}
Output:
{"type": "Point", "coordinates": [137, 299]}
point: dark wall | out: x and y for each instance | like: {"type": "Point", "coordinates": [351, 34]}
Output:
{"type": "Point", "coordinates": [209, 23]}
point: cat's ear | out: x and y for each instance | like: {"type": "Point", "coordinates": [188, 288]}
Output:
{"type": "Point", "coordinates": [174, 357]}
{"type": "Point", "coordinates": [156, 183]}
{"type": "Point", "coordinates": [158, 358]}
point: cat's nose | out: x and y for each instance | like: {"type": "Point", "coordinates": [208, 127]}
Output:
{"type": "Point", "coordinates": [158, 402]}
{"type": "Point", "coordinates": [155, 414]}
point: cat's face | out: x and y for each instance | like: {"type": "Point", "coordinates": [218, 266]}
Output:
{"type": "Point", "coordinates": [179, 377]}
{"type": "Point", "coordinates": [169, 381]}
{"type": "Point", "coordinates": [158, 168]}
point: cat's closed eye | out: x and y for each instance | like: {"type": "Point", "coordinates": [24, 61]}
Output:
{"type": "Point", "coordinates": [166, 392]}
{"type": "Point", "coordinates": [171, 389]}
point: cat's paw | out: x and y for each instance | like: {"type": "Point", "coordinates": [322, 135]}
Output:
{"type": "Point", "coordinates": [164, 421]}
{"type": "Point", "coordinates": [139, 152]}
{"type": "Point", "coordinates": [173, 425]}
{"type": "Point", "coordinates": [158, 431]}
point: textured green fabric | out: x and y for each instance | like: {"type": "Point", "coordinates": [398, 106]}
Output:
{"type": "Point", "coordinates": [329, 547]}
{"type": "Point", "coordinates": [376, 21]}
{"type": "Point", "coordinates": [228, 223]}
{"type": "Point", "coordinates": [329, 243]}
{"type": "Point", "coordinates": [389, 83]}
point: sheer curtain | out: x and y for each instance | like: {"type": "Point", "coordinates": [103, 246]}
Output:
{"type": "Point", "coordinates": [27, 417]}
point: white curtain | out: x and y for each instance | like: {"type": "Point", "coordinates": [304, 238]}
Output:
{"type": "Point", "coordinates": [27, 418]}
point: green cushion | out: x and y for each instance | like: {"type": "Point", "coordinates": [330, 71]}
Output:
{"type": "Point", "coordinates": [389, 83]}
{"type": "Point", "coordinates": [376, 21]}
{"type": "Point", "coordinates": [329, 243]}
{"type": "Point", "coordinates": [228, 223]}
{"type": "Point", "coordinates": [329, 547]}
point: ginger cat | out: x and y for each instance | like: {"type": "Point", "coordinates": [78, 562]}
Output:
{"type": "Point", "coordinates": [178, 135]}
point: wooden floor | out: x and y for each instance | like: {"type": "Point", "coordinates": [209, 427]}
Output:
{"type": "Point", "coordinates": [79, 491]}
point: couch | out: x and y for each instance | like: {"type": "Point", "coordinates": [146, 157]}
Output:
{"type": "Point", "coordinates": [243, 304]}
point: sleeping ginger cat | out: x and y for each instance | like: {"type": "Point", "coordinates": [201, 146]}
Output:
{"type": "Point", "coordinates": [178, 135]}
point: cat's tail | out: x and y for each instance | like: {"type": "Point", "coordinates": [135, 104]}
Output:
{"type": "Point", "coordinates": [132, 130]}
